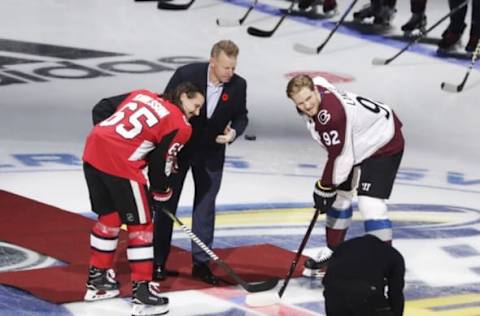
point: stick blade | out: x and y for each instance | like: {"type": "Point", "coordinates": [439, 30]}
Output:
{"type": "Point", "coordinates": [162, 5]}
{"type": "Point", "coordinates": [450, 87]}
{"type": "Point", "coordinates": [227, 22]}
{"type": "Point", "coordinates": [262, 299]}
{"type": "Point", "coordinates": [305, 49]}
{"type": "Point", "coordinates": [259, 33]}
{"type": "Point", "coordinates": [262, 286]}
{"type": "Point", "coordinates": [379, 61]}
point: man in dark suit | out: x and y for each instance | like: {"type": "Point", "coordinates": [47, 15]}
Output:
{"type": "Point", "coordinates": [221, 121]}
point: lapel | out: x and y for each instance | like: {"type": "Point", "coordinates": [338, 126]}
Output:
{"type": "Point", "coordinates": [202, 81]}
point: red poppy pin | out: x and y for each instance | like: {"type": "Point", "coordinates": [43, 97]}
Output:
{"type": "Point", "coordinates": [224, 97]}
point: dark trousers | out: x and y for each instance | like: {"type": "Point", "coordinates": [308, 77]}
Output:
{"type": "Point", "coordinates": [355, 302]}
{"type": "Point", "coordinates": [207, 184]}
{"type": "Point", "coordinates": [457, 20]}
{"type": "Point", "coordinates": [418, 6]}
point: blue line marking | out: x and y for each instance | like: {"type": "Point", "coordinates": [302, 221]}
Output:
{"type": "Point", "coordinates": [461, 251]}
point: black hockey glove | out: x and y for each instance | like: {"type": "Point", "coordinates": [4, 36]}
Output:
{"type": "Point", "coordinates": [160, 198]}
{"type": "Point", "coordinates": [323, 197]}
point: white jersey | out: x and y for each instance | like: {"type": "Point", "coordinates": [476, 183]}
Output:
{"type": "Point", "coordinates": [352, 128]}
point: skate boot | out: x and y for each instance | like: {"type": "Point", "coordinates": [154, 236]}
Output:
{"type": "Point", "coordinates": [450, 41]}
{"type": "Point", "coordinates": [472, 43]}
{"type": "Point", "coordinates": [146, 299]}
{"type": "Point", "coordinates": [451, 38]}
{"type": "Point", "coordinates": [418, 21]}
{"type": "Point", "coordinates": [363, 14]}
{"type": "Point", "coordinates": [101, 284]}
{"type": "Point", "coordinates": [384, 16]}
{"type": "Point", "coordinates": [330, 8]}
{"type": "Point", "coordinates": [316, 267]}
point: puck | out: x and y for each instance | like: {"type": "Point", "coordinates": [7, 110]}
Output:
{"type": "Point", "coordinates": [250, 137]}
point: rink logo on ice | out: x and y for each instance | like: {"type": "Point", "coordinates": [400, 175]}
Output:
{"type": "Point", "coordinates": [331, 77]}
{"type": "Point", "coordinates": [16, 258]}
{"type": "Point", "coordinates": [28, 62]}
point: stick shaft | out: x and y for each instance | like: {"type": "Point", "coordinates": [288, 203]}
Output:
{"type": "Point", "coordinates": [257, 32]}
{"type": "Point", "coordinates": [337, 25]}
{"type": "Point", "coordinates": [299, 252]}
{"type": "Point", "coordinates": [452, 88]}
{"type": "Point", "coordinates": [263, 286]}
{"type": "Point", "coordinates": [252, 6]}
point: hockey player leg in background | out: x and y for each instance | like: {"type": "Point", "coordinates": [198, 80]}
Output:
{"type": "Point", "coordinates": [474, 27]}
{"type": "Point", "coordinates": [451, 37]}
{"type": "Point", "coordinates": [311, 7]}
{"type": "Point", "coordinates": [382, 12]}
{"type": "Point", "coordinates": [418, 20]}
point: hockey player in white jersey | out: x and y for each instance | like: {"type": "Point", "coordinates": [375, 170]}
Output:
{"type": "Point", "coordinates": [364, 144]}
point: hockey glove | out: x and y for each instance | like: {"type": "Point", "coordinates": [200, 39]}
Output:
{"type": "Point", "coordinates": [323, 197]}
{"type": "Point", "coordinates": [159, 198]}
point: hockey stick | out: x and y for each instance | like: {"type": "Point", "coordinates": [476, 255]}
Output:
{"type": "Point", "coordinates": [310, 50]}
{"type": "Point", "coordinates": [166, 5]}
{"type": "Point", "coordinates": [381, 61]}
{"type": "Point", "coordinates": [225, 22]}
{"type": "Point", "coordinates": [249, 287]}
{"type": "Point", "coordinates": [273, 298]}
{"type": "Point", "coordinates": [261, 33]}
{"type": "Point", "coordinates": [454, 88]}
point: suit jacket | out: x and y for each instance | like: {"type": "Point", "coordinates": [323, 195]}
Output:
{"type": "Point", "coordinates": [231, 107]}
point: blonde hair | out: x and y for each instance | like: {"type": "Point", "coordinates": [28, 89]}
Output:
{"type": "Point", "coordinates": [297, 83]}
{"type": "Point", "coordinates": [228, 47]}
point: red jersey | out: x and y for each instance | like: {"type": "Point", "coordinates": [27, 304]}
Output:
{"type": "Point", "coordinates": [120, 144]}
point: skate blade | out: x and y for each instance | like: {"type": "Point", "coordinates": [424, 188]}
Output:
{"type": "Point", "coordinates": [149, 310]}
{"type": "Point", "coordinates": [313, 273]}
{"type": "Point", "coordinates": [330, 13]}
{"type": "Point", "coordinates": [96, 295]}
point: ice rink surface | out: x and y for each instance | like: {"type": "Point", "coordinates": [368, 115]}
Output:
{"type": "Point", "coordinates": [58, 58]}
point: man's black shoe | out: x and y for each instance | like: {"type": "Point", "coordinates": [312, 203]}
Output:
{"type": "Point", "coordinates": [203, 272]}
{"type": "Point", "coordinates": [160, 273]}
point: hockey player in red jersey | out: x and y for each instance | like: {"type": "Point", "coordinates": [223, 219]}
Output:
{"type": "Point", "coordinates": [128, 157]}
{"type": "Point", "coordinates": [359, 135]}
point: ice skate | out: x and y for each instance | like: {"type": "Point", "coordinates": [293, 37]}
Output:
{"type": "Point", "coordinates": [472, 43]}
{"type": "Point", "coordinates": [316, 267]}
{"type": "Point", "coordinates": [450, 42]}
{"type": "Point", "coordinates": [101, 285]}
{"type": "Point", "coordinates": [363, 14]}
{"type": "Point", "coordinates": [146, 299]}
{"type": "Point", "coordinates": [418, 21]}
{"type": "Point", "coordinates": [329, 8]}
{"type": "Point", "coordinates": [384, 17]}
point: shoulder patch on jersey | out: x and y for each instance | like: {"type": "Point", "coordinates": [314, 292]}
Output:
{"type": "Point", "coordinates": [323, 117]}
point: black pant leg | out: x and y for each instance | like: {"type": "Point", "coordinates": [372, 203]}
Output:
{"type": "Point", "coordinates": [457, 20]}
